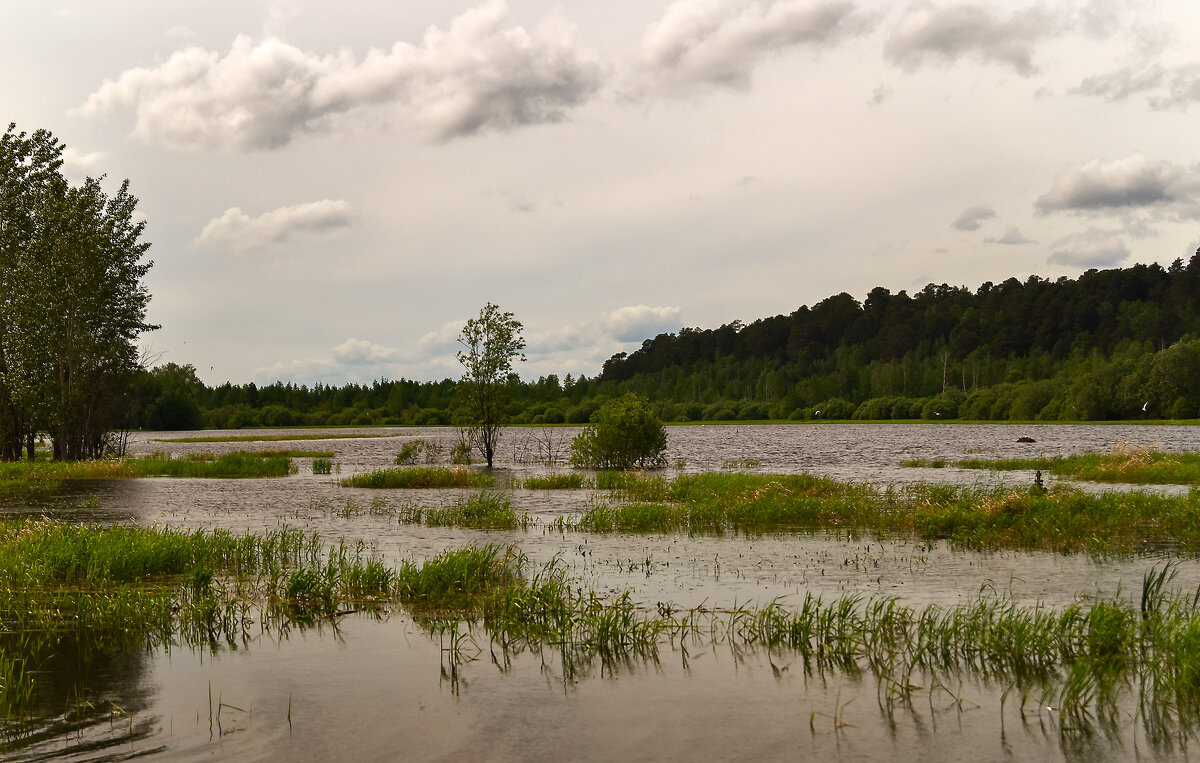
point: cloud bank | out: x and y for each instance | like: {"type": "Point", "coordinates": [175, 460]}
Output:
{"type": "Point", "coordinates": [482, 73]}
{"type": "Point", "coordinates": [1133, 183]}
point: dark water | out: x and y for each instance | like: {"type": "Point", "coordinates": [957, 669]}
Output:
{"type": "Point", "coordinates": [375, 690]}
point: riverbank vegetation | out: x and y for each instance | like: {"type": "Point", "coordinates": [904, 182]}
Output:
{"type": "Point", "coordinates": [1119, 344]}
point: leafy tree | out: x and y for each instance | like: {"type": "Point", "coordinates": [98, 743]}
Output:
{"type": "Point", "coordinates": [71, 273]}
{"type": "Point", "coordinates": [623, 433]}
{"type": "Point", "coordinates": [491, 341]}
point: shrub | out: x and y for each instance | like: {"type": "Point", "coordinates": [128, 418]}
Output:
{"type": "Point", "coordinates": [419, 451]}
{"type": "Point", "coordinates": [623, 433]}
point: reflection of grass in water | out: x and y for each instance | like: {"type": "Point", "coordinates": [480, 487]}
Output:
{"type": "Point", "coordinates": [1124, 464]}
{"type": "Point", "coordinates": [138, 588]}
{"type": "Point", "coordinates": [276, 437]}
{"type": "Point", "coordinates": [979, 518]}
{"type": "Point", "coordinates": [419, 477]}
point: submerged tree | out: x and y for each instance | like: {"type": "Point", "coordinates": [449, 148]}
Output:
{"type": "Point", "coordinates": [491, 341]}
{"type": "Point", "coordinates": [71, 271]}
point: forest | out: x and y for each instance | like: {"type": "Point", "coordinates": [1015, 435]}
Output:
{"type": "Point", "coordinates": [1117, 344]}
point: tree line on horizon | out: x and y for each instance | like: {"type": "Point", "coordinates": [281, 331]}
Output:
{"type": "Point", "coordinates": [1112, 344]}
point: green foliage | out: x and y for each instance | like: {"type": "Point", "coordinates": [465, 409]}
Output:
{"type": "Point", "coordinates": [419, 477]}
{"type": "Point", "coordinates": [322, 466]}
{"type": "Point", "coordinates": [419, 451]}
{"type": "Point", "coordinates": [624, 433]}
{"type": "Point", "coordinates": [71, 283]}
{"type": "Point", "coordinates": [491, 341]}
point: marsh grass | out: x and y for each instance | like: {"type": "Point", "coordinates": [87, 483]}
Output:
{"type": "Point", "coordinates": [136, 588]}
{"type": "Point", "coordinates": [1060, 519]}
{"type": "Point", "coordinates": [485, 510]}
{"type": "Point", "coordinates": [322, 466]}
{"type": "Point", "coordinates": [570, 481]}
{"type": "Point", "coordinates": [420, 477]}
{"type": "Point", "coordinates": [1125, 464]}
{"type": "Point", "coordinates": [239, 464]}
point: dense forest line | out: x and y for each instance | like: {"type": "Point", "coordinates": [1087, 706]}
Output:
{"type": "Point", "coordinates": [1111, 344]}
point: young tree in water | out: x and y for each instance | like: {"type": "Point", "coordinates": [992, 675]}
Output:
{"type": "Point", "coordinates": [491, 341]}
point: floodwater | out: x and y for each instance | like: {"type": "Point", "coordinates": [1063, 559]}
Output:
{"type": "Point", "coordinates": [372, 688]}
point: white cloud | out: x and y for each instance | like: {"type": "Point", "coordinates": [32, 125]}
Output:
{"type": "Point", "coordinates": [360, 352]}
{"type": "Point", "coordinates": [1093, 248]}
{"type": "Point", "coordinates": [635, 323]}
{"type": "Point", "coordinates": [238, 231]}
{"type": "Point", "coordinates": [1133, 182]}
{"type": "Point", "coordinates": [82, 161]}
{"type": "Point", "coordinates": [720, 42]}
{"type": "Point", "coordinates": [948, 33]}
{"type": "Point", "coordinates": [482, 73]}
{"type": "Point", "coordinates": [1012, 237]}
{"type": "Point", "coordinates": [972, 218]}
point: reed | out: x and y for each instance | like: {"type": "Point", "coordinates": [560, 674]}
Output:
{"type": "Point", "coordinates": [239, 464]}
{"type": "Point", "coordinates": [420, 477]}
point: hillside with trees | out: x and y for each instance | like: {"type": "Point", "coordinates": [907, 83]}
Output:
{"type": "Point", "coordinates": [1111, 344]}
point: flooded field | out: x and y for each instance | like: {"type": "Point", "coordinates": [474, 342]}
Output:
{"type": "Point", "coordinates": [380, 686]}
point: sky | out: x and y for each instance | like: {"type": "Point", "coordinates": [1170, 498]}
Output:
{"type": "Point", "coordinates": [332, 189]}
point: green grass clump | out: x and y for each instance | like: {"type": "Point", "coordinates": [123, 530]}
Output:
{"type": "Point", "coordinates": [935, 463]}
{"type": "Point", "coordinates": [420, 477]}
{"type": "Point", "coordinates": [240, 463]}
{"type": "Point", "coordinates": [553, 482]}
{"type": "Point", "coordinates": [1127, 464]}
{"type": "Point", "coordinates": [486, 510]}
{"type": "Point", "coordinates": [322, 466]}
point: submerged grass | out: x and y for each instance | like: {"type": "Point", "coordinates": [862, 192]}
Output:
{"type": "Point", "coordinates": [420, 477]}
{"type": "Point", "coordinates": [1061, 519]}
{"type": "Point", "coordinates": [135, 588]}
{"type": "Point", "coordinates": [486, 510]}
{"type": "Point", "coordinates": [1127, 464]}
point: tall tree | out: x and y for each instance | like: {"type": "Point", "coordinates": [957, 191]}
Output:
{"type": "Point", "coordinates": [74, 302]}
{"type": "Point", "coordinates": [490, 343]}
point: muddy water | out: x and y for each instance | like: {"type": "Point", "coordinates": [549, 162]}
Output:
{"type": "Point", "coordinates": [377, 690]}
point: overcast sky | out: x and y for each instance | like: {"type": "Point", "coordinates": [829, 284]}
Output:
{"type": "Point", "coordinates": [331, 189]}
